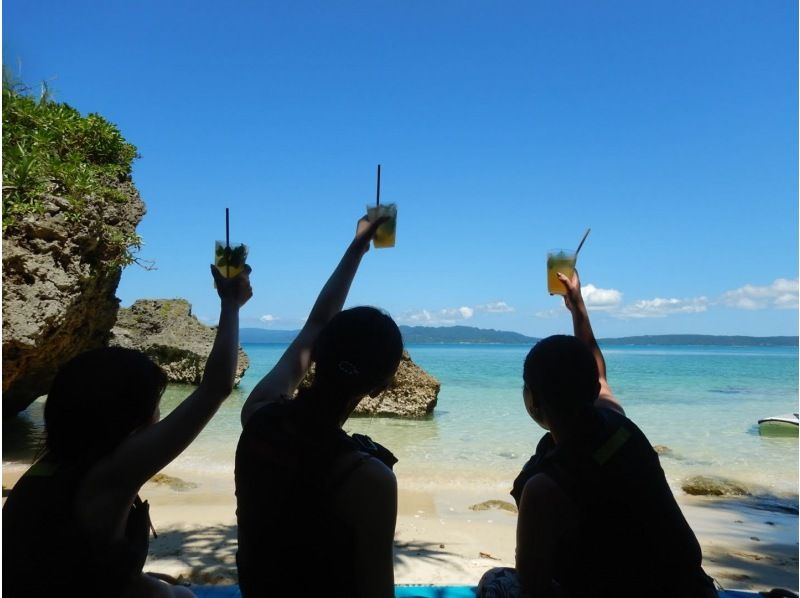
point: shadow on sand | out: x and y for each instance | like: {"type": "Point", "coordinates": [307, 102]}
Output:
{"type": "Point", "coordinates": [210, 553]}
{"type": "Point", "coordinates": [770, 559]}
{"type": "Point", "coordinates": [432, 552]}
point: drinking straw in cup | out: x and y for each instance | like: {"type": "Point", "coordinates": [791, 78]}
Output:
{"type": "Point", "coordinates": [562, 260]}
{"type": "Point", "coordinates": [229, 259]}
{"type": "Point", "coordinates": [386, 234]}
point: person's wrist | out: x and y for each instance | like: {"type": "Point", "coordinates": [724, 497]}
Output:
{"type": "Point", "coordinates": [229, 303]}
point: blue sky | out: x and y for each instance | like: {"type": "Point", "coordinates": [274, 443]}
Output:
{"type": "Point", "coordinates": [504, 130]}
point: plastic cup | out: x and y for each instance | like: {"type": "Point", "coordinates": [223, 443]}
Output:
{"type": "Point", "coordinates": [386, 233]}
{"type": "Point", "coordinates": [559, 260]}
{"type": "Point", "coordinates": [230, 261]}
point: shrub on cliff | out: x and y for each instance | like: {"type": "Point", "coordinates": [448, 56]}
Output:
{"type": "Point", "coordinates": [50, 149]}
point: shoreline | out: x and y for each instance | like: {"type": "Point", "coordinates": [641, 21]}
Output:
{"type": "Point", "coordinates": [439, 540]}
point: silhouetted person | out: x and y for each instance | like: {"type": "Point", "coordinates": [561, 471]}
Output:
{"type": "Point", "coordinates": [596, 516]}
{"type": "Point", "coordinates": [317, 507]}
{"type": "Point", "coordinates": [74, 524]}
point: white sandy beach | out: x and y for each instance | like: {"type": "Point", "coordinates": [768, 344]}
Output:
{"type": "Point", "coordinates": [440, 540]}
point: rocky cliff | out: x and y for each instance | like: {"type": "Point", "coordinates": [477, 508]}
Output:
{"type": "Point", "coordinates": [70, 212]}
{"type": "Point", "coordinates": [170, 335]}
{"type": "Point", "coordinates": [412, 393]}
{"type": "Point", "coordinates": [59, 284]}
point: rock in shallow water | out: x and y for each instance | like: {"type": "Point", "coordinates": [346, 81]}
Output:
{"type": "Point", "coordinates": [174, 483]}
{"type": "Point", "coordinates": [412, 393]}
{"type": "Point", "coordinates": [501, 505]}
{"type": "Point", "coordinates": [713, 486]}
{"type": "Point", "coordinates": [167, 332]}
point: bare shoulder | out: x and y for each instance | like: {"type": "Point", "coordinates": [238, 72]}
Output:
{"type": "Point", "coordinates": [370, 490]}
{"type": "Point", "coordinates": [541, 490]}
{"type": "Point", "coordinates": [543, 500]}
{"type": "Point", "coordinates": [372, 475]}
{"type": "Point", "coordinates": [607, 399]}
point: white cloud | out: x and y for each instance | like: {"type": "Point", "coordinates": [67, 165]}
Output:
{"type": "Point", "coordinates": [549, 314]}
{"type": "Point", "coordinates": [269, 318]}
{"type": "Point", "coordinates": [454, 315]}
{"type": "Point", "coordinates": [660, 308]}
{"type": "Point", "coordinates": [782, 293]}
{"type": "Point", "coordinates": [600, 299]}
{"type": "Point", "coordinates": [446, 316]}
{"type": "Point", "coordinates": [498, 307]}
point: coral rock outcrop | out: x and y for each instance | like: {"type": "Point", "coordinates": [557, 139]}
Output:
{"type": "Point", "coordinates": [166, 331]}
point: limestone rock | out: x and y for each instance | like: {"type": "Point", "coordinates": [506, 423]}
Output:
{"type": "Point", "coordinates": [412, 393]}
{"type": "Point", "coordinates": [713, 486]}
{"type": "Point", "coordinates": [501, 505]}
{"type": "Point", "coordinates": [59, 284]}
{"type": "Point", "coordinates": [167, 332]}
{"type": "Point", "coordinates": [173, 483]}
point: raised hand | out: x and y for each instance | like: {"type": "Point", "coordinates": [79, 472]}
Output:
{"type": "Point", "coordinates": [365, 231]}
{"type": "Point", "coordinates": [572, 298]}
{"type": "Point", "coordinates": [236, 289]}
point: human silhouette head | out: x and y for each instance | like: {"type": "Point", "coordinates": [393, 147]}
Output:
{"type": "Point", "coordinates": [561, 375]}
{"type": "Point", "coordinates": [98, 398]}
{"type": "Point", "coordinates": [356, 353]}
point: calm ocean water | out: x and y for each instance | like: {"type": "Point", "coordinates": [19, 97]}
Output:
{"type": "Point", "coordinates": [701, 402]}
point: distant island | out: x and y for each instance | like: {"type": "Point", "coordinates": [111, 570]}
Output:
{"type": "Point", "coordinates": [452, 335]}
{"type": "Point", "coordinates": [412, 335]}
{"type": "Point", "coordinates": [703, 339]}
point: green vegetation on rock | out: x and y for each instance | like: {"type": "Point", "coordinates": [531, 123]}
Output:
{"type": "Point", "coordinates": [49, 149]}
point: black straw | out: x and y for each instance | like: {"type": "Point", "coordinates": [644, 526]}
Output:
{"type": "Point", "coordinates": [227, 243]}
{"type": "Point", "coordinates": [378, 193]}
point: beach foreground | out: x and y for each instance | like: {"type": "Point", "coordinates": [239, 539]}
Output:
{"type": "Point", "coordinates": [440, 540]}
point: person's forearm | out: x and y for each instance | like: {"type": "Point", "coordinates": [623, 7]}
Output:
{"type": "Point", "coordinates": [149, 451]}
{"type": "Point", "coordinates": [332, 296]}
{"type": "Point", "coordinates": [220, 369]}
{"type": "Point", "coordinates": [582, 329]}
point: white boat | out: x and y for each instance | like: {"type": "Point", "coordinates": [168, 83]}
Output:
{"type": "Point", "coordinates": [779, 425]}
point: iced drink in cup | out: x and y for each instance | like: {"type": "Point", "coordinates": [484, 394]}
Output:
{"type": "Point", "coordinates": [559, 260]}
{"type": "Point", "coordinates": [230, 260]}
{"type": "Point", "coordinates": [385, 235]}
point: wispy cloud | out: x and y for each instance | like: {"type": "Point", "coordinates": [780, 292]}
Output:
{"type": "Point", "coordinates": [498, 307]}
{"type": "Point", "coordinates": [549, 314]}
{"type": "Point", "coordinates": [453, 315]}
{"type": "Point", "coordinates": [269, 318]}
{"type": "Point", "coordinates": [661, 308]}
{"type": "Point", "coordinates": [448, 315]}
{"type": "Point", "coordinates": [781, 294]}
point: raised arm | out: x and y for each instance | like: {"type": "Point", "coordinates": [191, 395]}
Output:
{"type": "Point", "coordinates": [284, 378]}
{"type": "Point", "coordinates": [146, 452]}
{"type": "Point", "coordinates": [582, 329]}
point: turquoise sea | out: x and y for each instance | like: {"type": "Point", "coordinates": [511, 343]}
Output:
{"type": "Point", "coordinates": [701, 402]}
